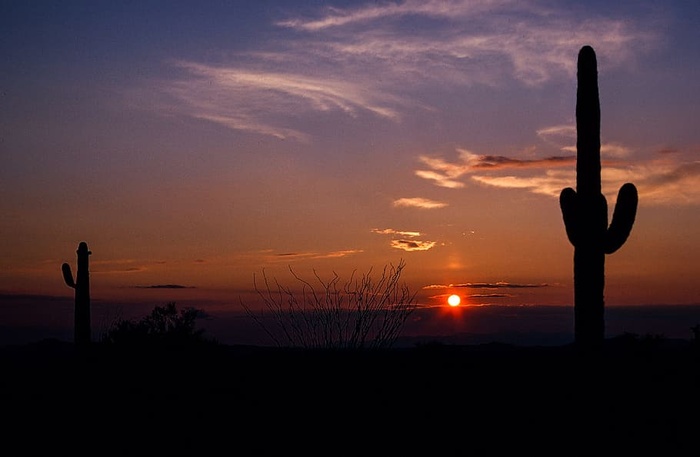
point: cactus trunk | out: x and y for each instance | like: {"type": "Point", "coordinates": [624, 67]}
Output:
{"type": "Point", "coordinates": [585, 210]}
{"type": "Point", "coordinates": [82, 331]}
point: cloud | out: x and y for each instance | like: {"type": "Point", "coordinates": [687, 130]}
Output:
{"type": "Point", "coordinates": [292, 256]}
{"type": "Point", "coordinates": [614, 150]}
{"type": "Point", "coordinates": [404, 244]}
{"type": "Point", "coordinates": [486, 285]}
{"type": "Point", "coordinates": [469, 162]}
{"type": "Point", "coordinates": [501, 162]}
{"type": "Point", "coordinates": [445, 173]}
{"type": "Point", "coordinates": [441, 180]}
{"type": "Point", "coordinates": [558, 134]}
{"type": "Point", "coordinates": [437, 9]}
{"type": "Point", "coordinates": [249, 100]}
{"type": "Point", "coordinates": [389, 231]}
{"type": "Point", "coordinates": [413, 245]}
{"type": "Point", "coordinates": [549, 183]}
{"type": "Point", "coordinates": [417, 202]}
{"type": "Point", "coordinates": [659, 181]}
{"type": "Point", "coordinates": [564, 137]}
{"type": "Point", "coordinates": [375, 58]}
{"type": "Point", "coordinates": [470, 40]}
{"type": "Point", "coordinates": [663, 182]}
{"type": "Point", "coordinates": [491, 296]}
{"type": "Point", "coordinates": [337, 254]}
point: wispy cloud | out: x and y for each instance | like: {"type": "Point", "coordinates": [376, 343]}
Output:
{"type": "Point", "coordinates": [491, 296]}
{"type": "Point", "coordinates": [665, 182]}
{"type": "Point", "coordinates": [550, 182]}
{"type": "Point", "coordinates": [251, 100]}
{"type": "Point", "coordinates": [486, 285]}
{"type": "Point", "coordinates": [472, 41]}
{"type": "Point", "coordinates": [446, 174]}
{"type": "Point", "coordinates": [389, 231]}
{"type": "Point", "coordinates": [336, 17]}
{"type": "Point", "coordinates": [366, 60]}
{"type": "Point", "coordinates": [418, 202]}
{"type": "Point", "coordinates": [413, 245]}
{"type": "Point", "coordinates": [659, 180]}
{"type": "Point", "coordinates": [406, 244]}
{"type": "Point", "coordinates": [272, 257]}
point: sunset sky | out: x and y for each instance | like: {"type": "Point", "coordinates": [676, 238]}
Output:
{"type": "Point", "coordinates": [194, 144]}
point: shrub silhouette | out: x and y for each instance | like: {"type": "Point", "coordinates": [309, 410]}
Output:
{"type": "Point", "coordinates": [585, 210]}
{"type": "Point", "coordinates": [81, 284]}
{"type": "Point", "coordinates": [164, 326]}
{"type": "Point", "coordinates": [363, 313]}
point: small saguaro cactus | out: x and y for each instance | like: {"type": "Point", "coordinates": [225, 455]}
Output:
{"type": "Point", "coordinates": [81, 284]}
{"type": "Point", "coordinates": [585, 210]}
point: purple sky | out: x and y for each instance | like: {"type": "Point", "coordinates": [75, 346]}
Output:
{"type": "Point", "coordinates": [197, 143]}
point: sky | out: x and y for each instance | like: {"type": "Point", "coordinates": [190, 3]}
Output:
{"type": "Point", "coordinates": [195, 145]}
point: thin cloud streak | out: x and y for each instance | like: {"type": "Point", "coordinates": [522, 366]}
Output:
{"type": "Point", "coordinates": [659, 181]}
{"type": "Point", "coordinates": [492, 296]}
{"type": "Point", "coordinates": [389, 231]}
{"type": "Point", "coordinates": [243, 100]}
{"type": "Point", "coordinates": [445, 174]}
{"type": "Point", "coordinates": [418, 202]}
{"type": "Point", "coordinates": [270, 257]}
{"type": "Point", "coordinates": [364, 60]}
{"type": "Point", "coordinates": [669, 183]}
{"type": "Point", "coordinates": [486, 285]}
{"type": "Point", "coordinates": [506, 37]}
{"type": "Point", "coordinates": [430, 8]}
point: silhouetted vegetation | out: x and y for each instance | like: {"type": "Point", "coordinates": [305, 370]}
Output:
{"type": "Point", "coordinates": [359, 314]}
{"type": "Point", "coordinates": [81, 284]}
{"type": "Point", "coordinates": [165, 326]}
{"type": "Point", "coordinates": [585, 210]}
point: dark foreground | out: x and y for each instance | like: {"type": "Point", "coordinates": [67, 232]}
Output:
{"type": "Point", "coordinates": [633, 397]}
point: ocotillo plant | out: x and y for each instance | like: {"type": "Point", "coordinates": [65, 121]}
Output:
{"type": "Point", "coordinates": [585, 210]}
{"type": "Point", "coordinates": [82, 332]}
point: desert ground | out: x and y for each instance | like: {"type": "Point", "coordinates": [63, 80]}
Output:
{"type": "Point", "coordinates": [632, 396]}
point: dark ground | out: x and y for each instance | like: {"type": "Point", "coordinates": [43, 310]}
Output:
{"type": "Point", "coordinates": [633, 397]}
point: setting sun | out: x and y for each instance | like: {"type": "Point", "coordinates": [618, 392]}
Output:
{"type": "Point", "coordinates": [453, 300]}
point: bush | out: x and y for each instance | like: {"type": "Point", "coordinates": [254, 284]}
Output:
{"type": "Point", "coordinates": [164, 326]}
{"type": "Point", "coordinates": [362, 313]}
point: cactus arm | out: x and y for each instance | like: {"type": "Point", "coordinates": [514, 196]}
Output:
{"type": "Point", "coordinates": [567, 202]}
{"type": "Point", "coordinates": [67, 275]}
{"type": "Point", "coordinates": [623, 218]}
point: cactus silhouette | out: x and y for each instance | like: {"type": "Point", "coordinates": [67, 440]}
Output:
{"type": "Point", "coordinates": [82, 332]}
{"type": "Point", "coordinates": [585, 210]}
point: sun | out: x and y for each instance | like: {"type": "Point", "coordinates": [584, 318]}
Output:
{"type": "Point", "coordinates": [453, 300]}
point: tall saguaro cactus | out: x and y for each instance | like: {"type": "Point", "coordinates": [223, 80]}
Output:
{"type": "Point", "coordinates": [81, 284]}
{"type": "Point", "coordinates": [585, 210]}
